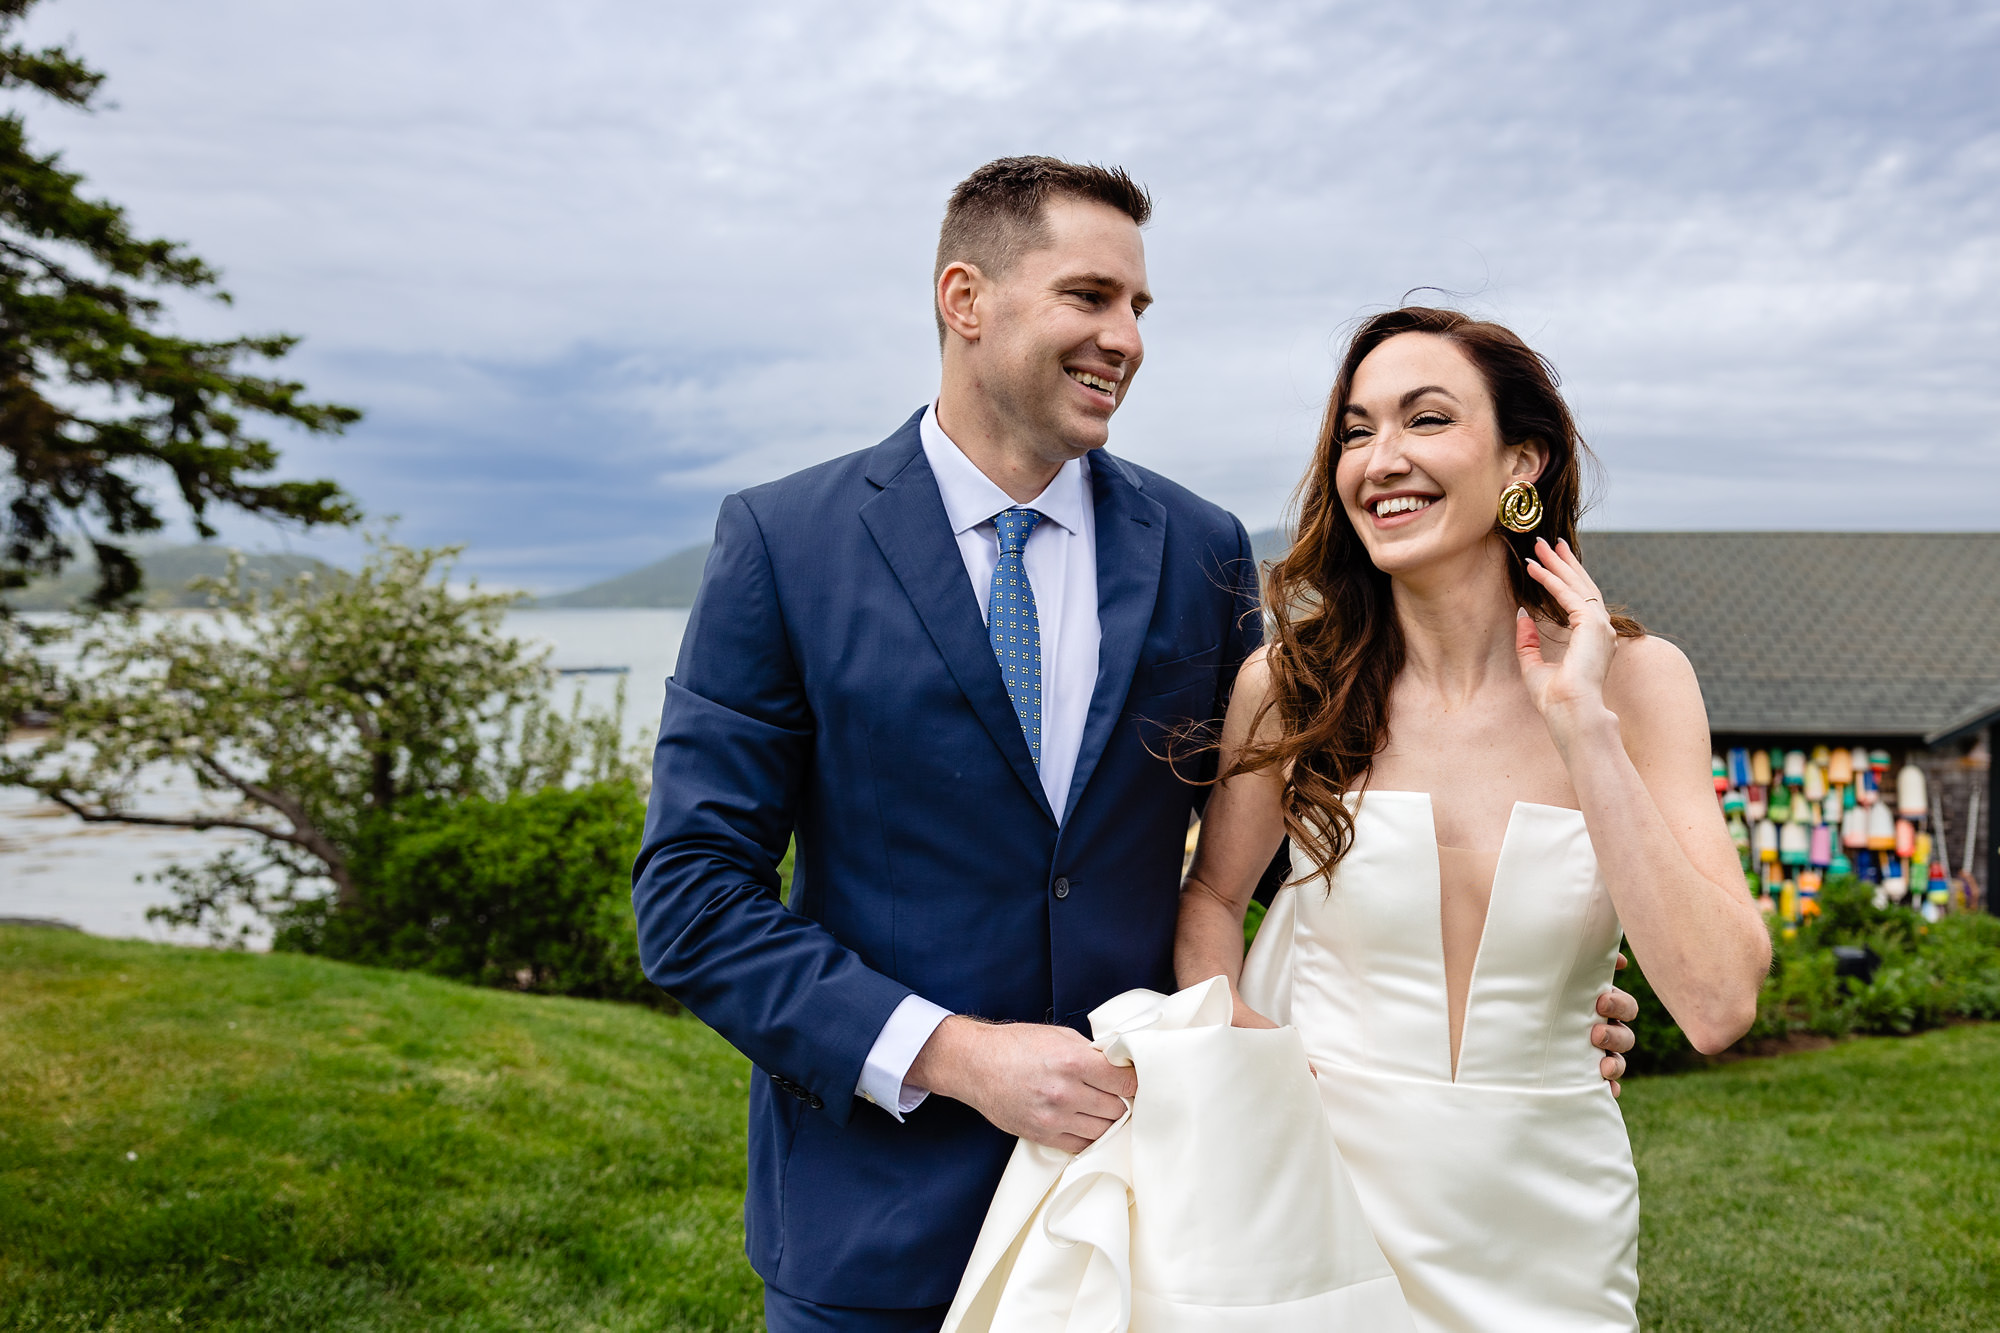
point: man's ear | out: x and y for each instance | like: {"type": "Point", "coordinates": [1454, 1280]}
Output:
{"type": "Point", "coordinates": [1531, 459]}
{"type": "Point", "coordinates": [959, 289]}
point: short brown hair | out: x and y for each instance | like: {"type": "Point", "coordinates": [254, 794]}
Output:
{"type": "Point", "coordinates": [996, 214]}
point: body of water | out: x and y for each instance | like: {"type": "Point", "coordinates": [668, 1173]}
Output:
{"type": "Point", "coordinates": [99, 877]}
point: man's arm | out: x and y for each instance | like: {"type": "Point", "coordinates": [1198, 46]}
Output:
{"type": "Point", "coordinates": [735, 741]}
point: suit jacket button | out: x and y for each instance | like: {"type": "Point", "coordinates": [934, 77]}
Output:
{"type": "Point", "coordinates": [813, 1100]}
{"type": "Point", "coordinates": [1062, 888]}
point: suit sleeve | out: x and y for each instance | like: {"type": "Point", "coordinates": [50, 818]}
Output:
{"type": "Point", "coordinates": [735, 744]}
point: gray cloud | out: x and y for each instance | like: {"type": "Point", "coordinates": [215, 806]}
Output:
{"type": "Point", "coordinates": [591, 266]}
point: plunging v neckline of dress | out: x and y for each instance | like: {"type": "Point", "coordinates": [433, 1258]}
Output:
{"type": "Point", "coordinates": [1499, 855]}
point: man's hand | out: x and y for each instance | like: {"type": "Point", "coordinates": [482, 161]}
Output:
{"type": "Point", "coordinates": [1046, 1084]}
{"type": "Point", "coordinates": [1617, 1009]}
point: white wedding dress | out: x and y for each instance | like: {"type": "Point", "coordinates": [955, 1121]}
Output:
{"type": "Point", "coordinates": [1216, 1205]}
{"type": "Point", "coordinates": [1505, 1198]}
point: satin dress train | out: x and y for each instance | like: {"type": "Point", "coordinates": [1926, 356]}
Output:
{"type": "Point", "coordinates": [1216, 1205]}
{"type": "Point", "coordinates": [1504, 1198]}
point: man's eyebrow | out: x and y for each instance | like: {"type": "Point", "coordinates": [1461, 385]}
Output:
{"type": "Point", "coordinates": [1101, 281]}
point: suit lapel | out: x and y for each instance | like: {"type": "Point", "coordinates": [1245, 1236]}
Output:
{"type": "Point", "coordinates": [1131, 545]}
{"type": "Point", "coordinates": [908, 522]}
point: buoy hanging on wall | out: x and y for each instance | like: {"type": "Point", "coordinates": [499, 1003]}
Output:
{"type": "Point", "coordinates": [1881, 828]}
{"type": "Point", "coordinates": [1912, 793]}
{"type": "Point", "coordinates": [1739, 767]}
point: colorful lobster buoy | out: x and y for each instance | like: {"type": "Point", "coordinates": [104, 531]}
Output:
{"type": "Point", "coordinates": [1815, 783]}
{"type": "Point", "coordinates": [1840, 768]}
{"type": "Point", "coordinates": [1760, 768]}
{"type": "Point", "coordinates": [1808, 894]}
{"type": "Point", "coordinates": [1756, 803]}
{"type": "Point", "coordinates": [1767, 841]}
{"type": "Point", "coordinates": [1739, 767]}
{"type": "Point", "coordinates": [1881, 828]}
{"type": "Point", "coordinates": [1854, 829]}
{"type": "Point", "coordinates": [1719, 771]}
{"type": "Point", "coordinates": [1794, 844]}
{"type": "Point", "coordinates": [1906, 838]}
{"type": "Point", "coordinates": [1912, 793]}
{"type": "Point", "coordinates": [1821, 854]}
{"type": "Point", "coordinates": [1865, 786]}
{"type": "Point", "coordinates": [1830, 811]}
{"type": "Point", "coordinates": [1781, 804]}
{"type": "Point", "coordinates": [1732, 801]}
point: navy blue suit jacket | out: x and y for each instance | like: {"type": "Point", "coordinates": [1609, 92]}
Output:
{"type": "Point", "coordinates": [836, 683]}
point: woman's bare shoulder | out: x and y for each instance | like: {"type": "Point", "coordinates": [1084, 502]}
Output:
{"type": "Point", "coordinates": [1652, 683]}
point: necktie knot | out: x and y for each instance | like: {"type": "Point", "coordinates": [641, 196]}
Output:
{"type": "Point", "coordinates": [1014, 525]}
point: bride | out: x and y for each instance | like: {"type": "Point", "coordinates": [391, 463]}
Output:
{"type": "Point", "coordinates": [1487, 776]}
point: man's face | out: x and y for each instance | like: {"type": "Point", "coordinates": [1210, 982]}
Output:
{"type": "Point", "coordinates": [1059, 338]}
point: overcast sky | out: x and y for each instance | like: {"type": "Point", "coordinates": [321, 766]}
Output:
{"type": "Point", "coordinates": [590, 266]}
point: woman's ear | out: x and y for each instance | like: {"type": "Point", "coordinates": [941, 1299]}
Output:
{"type": "Point", "coordinates": [1531, 459]}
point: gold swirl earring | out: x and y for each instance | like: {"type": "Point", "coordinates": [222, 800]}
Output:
{"type": "Point", "coordinates": [1521, 507]}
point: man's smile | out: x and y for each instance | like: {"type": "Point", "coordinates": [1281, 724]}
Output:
{"type": "Point", "coordinates": [1109, 388]}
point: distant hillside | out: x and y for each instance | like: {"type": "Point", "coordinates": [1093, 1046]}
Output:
{"type": "Point", "coordinates": [169, 569]}
{"type": "Point", "coordinates": [668, 582]}
{"type": "Point", "coordinates": [1268, 544]}
{"type": "Point", "coordinates": [674, 580]}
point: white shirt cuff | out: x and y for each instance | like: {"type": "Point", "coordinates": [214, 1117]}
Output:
{"type": "Point", "coordinates": [894, 1051]}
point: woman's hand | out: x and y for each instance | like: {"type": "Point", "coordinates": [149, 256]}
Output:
{"type": "Point", "coordinates": [1569, 693]}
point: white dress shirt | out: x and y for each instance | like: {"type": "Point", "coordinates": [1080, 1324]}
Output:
{"type": "Point", "coordinates": [1061, 562]}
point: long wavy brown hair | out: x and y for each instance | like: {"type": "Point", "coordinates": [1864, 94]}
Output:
{"type": "Point", "coordinates": [1336, 647]}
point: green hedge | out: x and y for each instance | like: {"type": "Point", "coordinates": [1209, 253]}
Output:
{"type": "Point", "coordinates": [530, 893]}
{"type": "Point", "coordinates": [1930, 974]}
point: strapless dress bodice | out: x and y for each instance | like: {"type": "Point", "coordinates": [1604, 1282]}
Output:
{"type": "Point", "coordinates": [1505, 1198]}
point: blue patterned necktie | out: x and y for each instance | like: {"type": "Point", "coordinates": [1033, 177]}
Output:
{"type": "Point", "coordinates": [1013, 628]}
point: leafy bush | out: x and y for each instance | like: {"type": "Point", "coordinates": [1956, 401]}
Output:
{"type": "Point", "coordinates": [532, 892]}
{"type": "Point", "coordinates": [1929, 974]}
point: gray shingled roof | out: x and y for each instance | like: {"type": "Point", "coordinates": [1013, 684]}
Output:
{"type": "Point", "coordinates": [1821, 633]}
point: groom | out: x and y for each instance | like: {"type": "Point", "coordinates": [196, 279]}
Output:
{"type": "Point", "coordinates": [948, 666]}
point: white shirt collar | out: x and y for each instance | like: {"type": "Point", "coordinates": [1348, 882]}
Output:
{"type": "Point", "coordinates": [971, 498]}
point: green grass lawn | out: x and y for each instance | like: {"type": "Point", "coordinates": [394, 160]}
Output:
{"type": "Point", "coordinates": [200, 1140]}
{"type": "Point", "coordinates": [204, 1140]}
{"type": "Point", "coordinates": [1851, 1188]}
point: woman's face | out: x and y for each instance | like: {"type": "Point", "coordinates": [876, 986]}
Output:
{"type": "Point", "coordinates": [1421, 464]}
